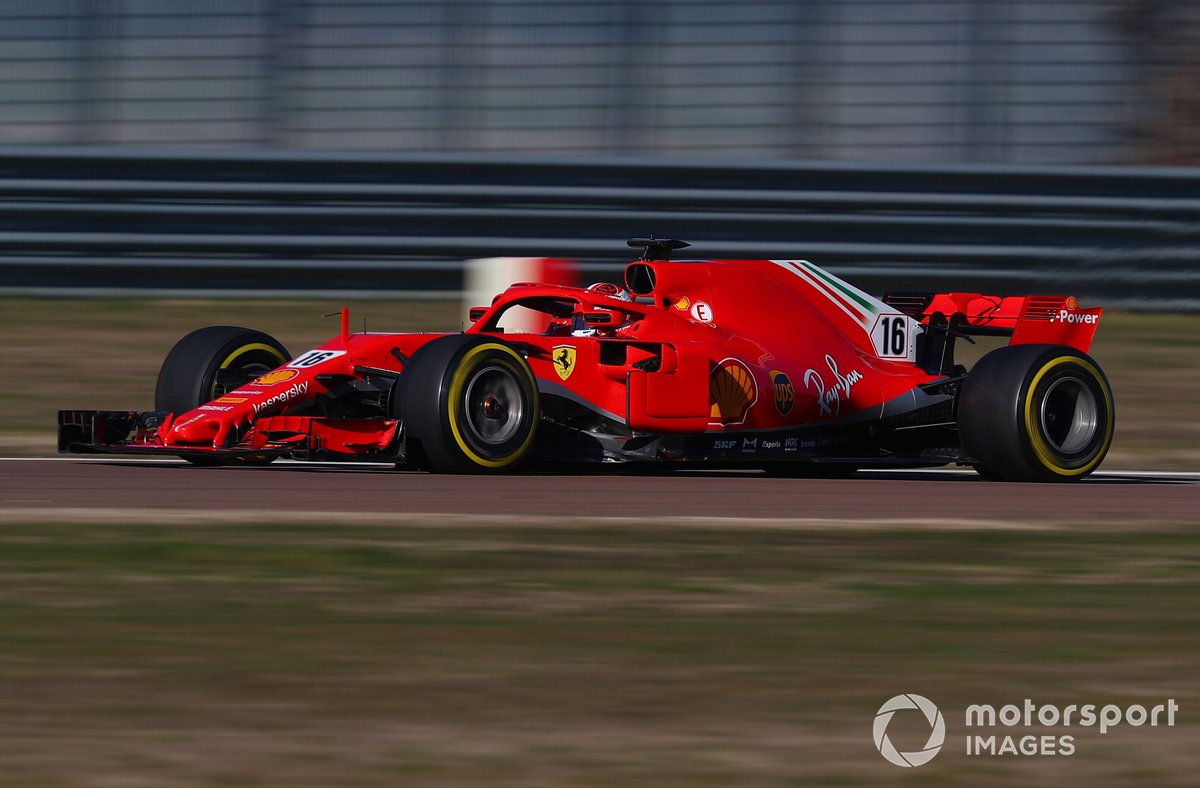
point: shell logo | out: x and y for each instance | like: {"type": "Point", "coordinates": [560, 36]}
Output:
{"type": "Point", "coordinates": [278, 376]}
{"type": "Point", "coordinates": [682, 304]}
{"type": "Point", "coordinates": [731, 392]}
{"type": "Point", "coordinates": [1072, 302]}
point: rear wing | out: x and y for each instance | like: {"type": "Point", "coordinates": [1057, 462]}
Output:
{"type": "Point", "coordinates": [1027, 320]}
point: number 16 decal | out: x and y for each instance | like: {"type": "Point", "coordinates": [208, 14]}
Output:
{"type": "Point", "coordinates": [313, 357]}
{"type": "Point", "coordinates": [894, 336]}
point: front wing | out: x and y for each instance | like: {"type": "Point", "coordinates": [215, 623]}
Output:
{"type": "Point", "coordinates": [299, 437]}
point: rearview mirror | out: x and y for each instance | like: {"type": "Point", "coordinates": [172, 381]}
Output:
{"type": "Point", "coordinates": [599, 318]}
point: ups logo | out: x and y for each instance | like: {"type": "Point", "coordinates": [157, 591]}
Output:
{"type": "Point", "coordinates": [785, 392]}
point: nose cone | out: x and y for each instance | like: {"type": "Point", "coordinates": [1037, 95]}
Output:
{"type": "Point", "coordinates": [195, 428]}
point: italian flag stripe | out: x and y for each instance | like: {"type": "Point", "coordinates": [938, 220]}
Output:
{"type": "Point", "coordinates": [864, 303]}
{"type": "Point", "coordinates": [824, 288]}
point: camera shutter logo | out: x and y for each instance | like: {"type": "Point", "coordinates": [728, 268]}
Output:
{"type": "Point", "coordinates": [936, 737]}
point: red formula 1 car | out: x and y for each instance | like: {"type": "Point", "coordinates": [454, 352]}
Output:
{"type": "Point", "coordinates": [764, 363]}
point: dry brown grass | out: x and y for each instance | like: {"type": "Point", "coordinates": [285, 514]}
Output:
{"type": "Point", "coordinates": [326, 653]}
{"type": "Point", "coordinates": [64, 353]}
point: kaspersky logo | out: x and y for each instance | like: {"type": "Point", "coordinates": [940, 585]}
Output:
{"type": "Point", "coordinates": [937, 725]}
{"type": "Point", "coordinates": [287, 395]}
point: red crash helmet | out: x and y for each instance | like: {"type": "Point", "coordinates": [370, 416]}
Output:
{"type": "Point", "coordinates": [610, 290]}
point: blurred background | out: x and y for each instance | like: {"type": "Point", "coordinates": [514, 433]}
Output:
{"type": "Point", "coordinates": [370, 147]}
{"type": "Point", "coordinates": [170, 164]}
{"type": "Point", "coordinates": [936, 81]}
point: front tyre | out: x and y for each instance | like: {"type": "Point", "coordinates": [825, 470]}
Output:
{"type": "Point", "coordinates": [1036, 413]}
{"type": "Point", "coordinates": [210, 362]}
{"type": "Point", "coordinates": [469, 405]}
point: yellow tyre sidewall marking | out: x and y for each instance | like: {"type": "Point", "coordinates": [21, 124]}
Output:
{"type": "Point", "coordinates": [459, 380]}
{"type": "Point", "coordinates": [1041, 449]}
{"type": "Point", "coordinates": [244, 349]}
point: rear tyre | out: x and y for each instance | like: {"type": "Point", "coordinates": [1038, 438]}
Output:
{"type": "Point", "coordinates": [1036, 413]}
{"type": "Point", "coordinates": [208, 363]}
{"type": "Point", "coordinates": [469, 405]}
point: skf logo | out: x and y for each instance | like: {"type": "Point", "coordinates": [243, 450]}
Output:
{"type": "Point", "coordinates": [278, 376]}
{"type": "Point", "coordinates": [785, 392]}
{"type": "Point", "coordinates": [564, 360]}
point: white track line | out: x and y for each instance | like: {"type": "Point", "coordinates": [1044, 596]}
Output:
{"type": "Point", "coordinates": [126, 516]}
{"type": "Point", "coordinates": [1102, 474]}
{"type": "Point", "coordinates": [123, 459]}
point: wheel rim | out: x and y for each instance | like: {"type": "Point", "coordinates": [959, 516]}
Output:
{"type": "Point", "coordinates": [227, 380]}
{"type": "Point", "coordinates": [493, 405]}
{"type": "Point", "coordinates": [1070, 416]}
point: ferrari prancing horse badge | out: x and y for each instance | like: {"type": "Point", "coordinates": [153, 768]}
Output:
{"type": "Point", "coordinates": [564, 360]}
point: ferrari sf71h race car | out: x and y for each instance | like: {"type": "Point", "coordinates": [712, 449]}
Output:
{"type": "Point", "coordinates": [773, 364]}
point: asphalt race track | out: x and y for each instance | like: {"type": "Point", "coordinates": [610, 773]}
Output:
{"type": "Point", "coordinates": [112, 487]}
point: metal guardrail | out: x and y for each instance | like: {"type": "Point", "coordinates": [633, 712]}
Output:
{"type": "Point", "coordinates": [87, 220]}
